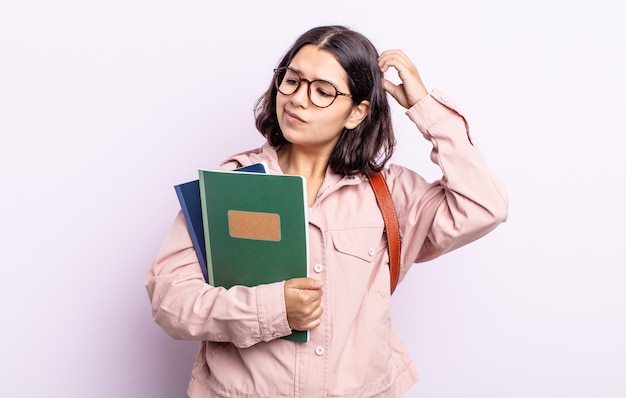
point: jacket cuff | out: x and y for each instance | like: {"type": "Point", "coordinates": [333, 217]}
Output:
{"type": "Point", "coordinates": [270, 301]}
{"type": "Point", "coordinates": [432, 109]}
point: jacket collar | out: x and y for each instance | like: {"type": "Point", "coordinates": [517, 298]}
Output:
{"type": "Point", "coordinates": [267, 154]}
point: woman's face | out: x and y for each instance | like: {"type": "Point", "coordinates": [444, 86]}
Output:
{"type": "Point", "coordinates": [305, 124]}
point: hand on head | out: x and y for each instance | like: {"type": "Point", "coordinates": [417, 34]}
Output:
{"type": "Point", "coordinates": [411, 89]}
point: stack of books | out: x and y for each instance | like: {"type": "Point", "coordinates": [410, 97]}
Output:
{"type": "Point", "coordinates": [248, 227]}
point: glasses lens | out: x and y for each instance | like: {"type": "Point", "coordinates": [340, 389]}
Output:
{"type": "Point", "coordinates": [322, 93]}
{"type": "Point", "coordinates": [287, 81]}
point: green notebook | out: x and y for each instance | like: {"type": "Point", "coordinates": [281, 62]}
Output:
{"type": "Point", "coordinates": [256, 229]}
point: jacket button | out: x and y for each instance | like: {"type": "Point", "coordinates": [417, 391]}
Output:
{"type": "Point", "coordinates": [318, 268]}
{"type": "Point", "coordinates": [371, 251]}
{"type": "Point", "coordinates": [319, 351]}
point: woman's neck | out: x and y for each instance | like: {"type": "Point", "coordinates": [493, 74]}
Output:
{"type": "Point", "coordinates": [312, 166]}
{"type": "Point", "coordinates": [293, 160]}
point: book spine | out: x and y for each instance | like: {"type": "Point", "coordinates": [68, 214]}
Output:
{"type": "Point", "coordinates": [185, 207]}
{"type": "Point", "coordinates": [207, 238]}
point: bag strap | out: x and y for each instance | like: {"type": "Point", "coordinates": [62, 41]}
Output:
{"type": "Point", "coordinates": [385, 202]}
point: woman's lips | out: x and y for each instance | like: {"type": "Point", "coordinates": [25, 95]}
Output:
{"type": "Point", "coordinates": [292, 117]}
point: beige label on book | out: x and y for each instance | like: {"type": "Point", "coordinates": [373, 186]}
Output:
{"type": "Point", "coordinates": [253, 225]}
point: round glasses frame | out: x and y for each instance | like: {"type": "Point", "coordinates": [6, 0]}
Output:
{"type": "Point", "coordinates": [282, 70]}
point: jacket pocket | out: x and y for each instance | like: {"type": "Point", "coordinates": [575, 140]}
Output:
{"type": "Point", "coordinates": [363, 242]}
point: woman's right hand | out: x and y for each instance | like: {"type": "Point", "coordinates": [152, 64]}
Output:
{"type": "Point", "coordinates": [411, 90]}
{"type": "Point", "coordinates": [303, 302]}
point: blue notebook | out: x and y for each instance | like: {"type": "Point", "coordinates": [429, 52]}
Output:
{"type": "Point", "coordinates": [189, 197]}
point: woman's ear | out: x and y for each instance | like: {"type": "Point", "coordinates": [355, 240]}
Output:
{"type": "Point", "coordinates": [358, 113]}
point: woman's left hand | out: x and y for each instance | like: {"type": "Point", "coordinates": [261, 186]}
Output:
{"type": "Point", "coordinates": [411, 90]}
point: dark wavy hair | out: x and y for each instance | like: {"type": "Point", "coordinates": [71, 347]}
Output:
{"type": "Point", "coordinates": [369, 146]}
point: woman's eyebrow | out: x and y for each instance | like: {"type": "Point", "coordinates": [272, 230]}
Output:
{"type": "Point", "coordinates": [298, 71]}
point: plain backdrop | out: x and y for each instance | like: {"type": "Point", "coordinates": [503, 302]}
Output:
{"type": "Point", "coordinates": [104, 106]}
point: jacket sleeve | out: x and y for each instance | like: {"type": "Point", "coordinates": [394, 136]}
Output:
{"type": "Point", "coordinates": [466, 203]}
{"type": "Point", "coordinates": [187, 307]}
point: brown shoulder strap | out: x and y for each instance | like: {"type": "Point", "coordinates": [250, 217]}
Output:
{"type": "Point", "coordinates": [385, 202]}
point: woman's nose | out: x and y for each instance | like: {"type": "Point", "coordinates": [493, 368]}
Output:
{"type": "Point", "coordinates": [301, 95]}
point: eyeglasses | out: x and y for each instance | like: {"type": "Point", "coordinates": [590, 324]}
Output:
{"type": "Point", "coordinates": [321, 93]}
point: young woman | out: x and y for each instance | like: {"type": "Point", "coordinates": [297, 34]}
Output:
{"type": "Point", "coordinates": [326, 117]}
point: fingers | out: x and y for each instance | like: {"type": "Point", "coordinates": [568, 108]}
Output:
{"type": "Point", "coordinates": [396, 59]}
{"type": "Point", "coordinates": [304, 283]}
{"type": "Point", "coordinates": [397, 92]}
{"type": "Point", "coordinates": [303, 303]}
{"type": "Point", "coordinates": [411, 90]}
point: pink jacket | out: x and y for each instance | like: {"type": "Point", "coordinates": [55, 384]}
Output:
{"type": "Point", "coordinates": [355, 351]}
